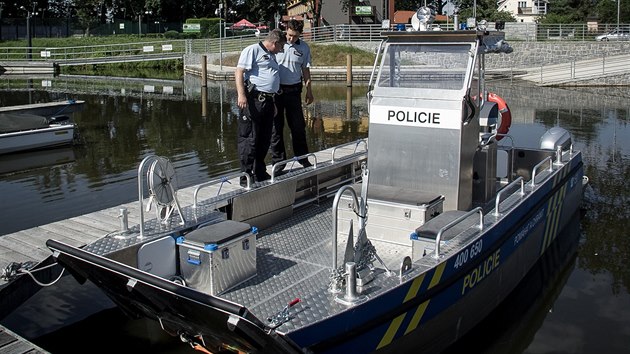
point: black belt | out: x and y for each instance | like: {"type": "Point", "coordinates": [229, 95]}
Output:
{"type": "Point", "coordinates": [291, 88]}
{"type": "Point", "coordinates": [263, 95]}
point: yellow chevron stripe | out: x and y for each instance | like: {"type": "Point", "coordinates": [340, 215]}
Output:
{"type": "Point", "coordinates": [413, 289]}
{"type": "Point", "coordinates": [391, 331]}
{"type": "Point", "coordinates": [437, 276]}
{"type": "Point", "coordinates": [554, 213]}
{"type": "Point", "coordinates": [547, 225]}
{"type": "Point", "coordinates": [417, 316]}
{"type": "Point", "coordinates": [558, 216]}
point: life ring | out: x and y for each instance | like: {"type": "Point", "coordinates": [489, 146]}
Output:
{"type": "Point", "coordinates": [506, 115]}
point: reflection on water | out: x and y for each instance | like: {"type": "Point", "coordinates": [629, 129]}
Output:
{"type": "Point", "coordinates": [124, 122]}
{"type": "Point", "coordinates": [131, 120]}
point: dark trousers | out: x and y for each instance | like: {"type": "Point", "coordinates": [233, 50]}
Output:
{"type": "Point", "coordinates": [289, 104]}
{"type": "Point", "coordinates": [255, 125]}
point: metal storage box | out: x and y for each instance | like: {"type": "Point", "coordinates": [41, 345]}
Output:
{"type": "Point", "coordinates": [217, 257]}
{"type": "Point", "coordinates": [393, 214]}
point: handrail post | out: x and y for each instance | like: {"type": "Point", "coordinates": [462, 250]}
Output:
{"type": "Point", "coordinates": [335, 210]}
{"type": "Point", "coordinates": [548, 158]}
{"type": "Point", "coordinates": [222, 180]}
{"type": "Point", "coordinates": [438, 239]}
{"type": "Point", "coordinates": [501, 192]}
{"type": "Point", "coordinates": [140, 193]}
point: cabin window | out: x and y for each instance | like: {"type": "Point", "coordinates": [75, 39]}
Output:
{"type": "Point", "coordinates": [425, 66]}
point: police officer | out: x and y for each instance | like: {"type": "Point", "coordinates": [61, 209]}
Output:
{"type": "Point", "coordinates": [257, 82]}
{"type": "Point", "coordinates": [295, 73]}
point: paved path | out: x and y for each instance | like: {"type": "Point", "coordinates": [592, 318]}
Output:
{"type": "Point", "coordinates": [577, 71]}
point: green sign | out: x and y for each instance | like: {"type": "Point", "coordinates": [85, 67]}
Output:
{"type": "Point", "coordinates": [192, 27]}
{"type": "Point", "coordinates": [363, 10]}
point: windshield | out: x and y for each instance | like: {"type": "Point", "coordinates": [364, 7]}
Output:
{"type": "Point", "coordinates": [425, 66]}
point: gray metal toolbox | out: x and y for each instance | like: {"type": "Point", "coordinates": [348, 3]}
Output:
{"type": "Point", "coordinates": [393, 213]}
{"type": "Point", "coordinates": [217, 257]}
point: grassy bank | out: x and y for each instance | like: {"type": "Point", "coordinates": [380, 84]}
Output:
{"type": "Point", "coordinates": [322, 54]}
{"type": "Point", "coordinates": [326, 55]}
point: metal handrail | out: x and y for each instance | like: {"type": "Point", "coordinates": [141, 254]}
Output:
{"type": "Point", "coordinates": [376, 58]}
{"type": "Point", "coordinates": [503, 191]}
{"type": "Point", "coordinates": [293, 160]}
{"type": "Point", "coordinates": [356, 143]}
{"type": "Point", "coordinates": [221, 180]}
{"type": "Point", "coordinates": [547, 159]}
{"type": "Point", "coordinates": [438, 239]}
{"type": "Point", "coordinates": [335, 210]}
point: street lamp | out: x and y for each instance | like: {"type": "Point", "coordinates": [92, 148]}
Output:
{"type": "Point", "coordinates": [29, 14]}
{"type": "Point", "coordinates": [147, 13]}
{"type": "Point", "coordinates": [618, 1]}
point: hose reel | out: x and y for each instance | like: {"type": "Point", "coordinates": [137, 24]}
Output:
{"type": "Point", "coordinates": [162, 184]}
{"type": "Point", "coordinates": [161, 181]}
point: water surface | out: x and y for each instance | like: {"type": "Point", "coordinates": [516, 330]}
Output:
{"type": "Point", "coordinates": [578, 304]}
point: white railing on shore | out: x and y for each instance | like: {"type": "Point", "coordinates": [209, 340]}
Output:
{"type": "Point", "coordinates": [579, 70]}
{"type": "Point", "coordinates": [342, 33]}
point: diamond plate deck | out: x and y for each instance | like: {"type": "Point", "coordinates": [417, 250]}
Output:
{"type": "Point", "coordinates": [294, 260]}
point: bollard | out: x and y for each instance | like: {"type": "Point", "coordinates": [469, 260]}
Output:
{"type": "Point", "coordinates": [351, 297]}
{"type": "Point", "coordinates": [124, 221]}
{"type": "Point", "coordinates": [351, 282]}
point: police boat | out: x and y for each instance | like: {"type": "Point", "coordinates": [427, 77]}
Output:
{"type": "Point", "coordinates": [405, 244]}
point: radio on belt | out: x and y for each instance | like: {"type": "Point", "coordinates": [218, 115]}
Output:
{"type": "Point", "coordinates": [218, 257]}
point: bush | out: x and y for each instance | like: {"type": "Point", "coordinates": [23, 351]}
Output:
{"type": "Point", "coordinates": [171, 34]}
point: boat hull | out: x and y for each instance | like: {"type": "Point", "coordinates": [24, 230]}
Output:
{"type": "Point", "coordinates": [54, 135]}
{"type": "Point", "coordinates": [434, 309]}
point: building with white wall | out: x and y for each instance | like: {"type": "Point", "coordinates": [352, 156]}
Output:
{"type": "Point", "coordinates": [524, 10]}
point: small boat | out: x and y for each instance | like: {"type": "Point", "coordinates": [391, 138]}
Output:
{"type": "Point", "coordinates": [403, 245]}
{"type": "Point", "coordinates": [38, 125]}
{"type": "Point", "coordinates": [24, 131]}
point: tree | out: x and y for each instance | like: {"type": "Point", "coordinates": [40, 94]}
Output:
{"type": "Point", "coordinates": [607, 11]}
{"type": "Point", "coordinates": [88, 13]}
{"type": "Point", "coordinates": [413, 5]}
{"type": "Point", "coordinates": [486, 10]}
{"type": "Point", "coordinates": [568, 11]}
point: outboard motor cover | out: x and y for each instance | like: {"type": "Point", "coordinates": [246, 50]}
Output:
{"type": "Point", "coordinates": [555, 137]}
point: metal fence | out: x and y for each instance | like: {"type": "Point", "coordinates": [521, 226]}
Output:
{"type": "Point", "coordinates": [351, 34]}
{"type": "Point", "coordinates": [573, 71]}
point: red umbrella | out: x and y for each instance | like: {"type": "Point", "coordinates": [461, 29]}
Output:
{"type": "Point", "coordinates": [242, 24]}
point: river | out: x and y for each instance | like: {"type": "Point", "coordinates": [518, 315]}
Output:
{"type": "Point", "coordinates": [578, 304]}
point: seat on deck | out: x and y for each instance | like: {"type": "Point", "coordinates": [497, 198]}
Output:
{"type": "Point", "coordinates": [399, 195]}
{"type": "Point", "coordinates": [430, 229]}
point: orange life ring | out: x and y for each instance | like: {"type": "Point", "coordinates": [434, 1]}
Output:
{"type": "Point", "coordinates": [506, 115]}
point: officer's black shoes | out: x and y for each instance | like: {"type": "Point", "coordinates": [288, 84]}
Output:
{"type": "Point", "coordinates": [262, 177]}
{"type": "Point", "coordinates": [305, 163]}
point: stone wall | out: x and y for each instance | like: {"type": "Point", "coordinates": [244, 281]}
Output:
{"type": "Point", "coordinates": [534, 54]}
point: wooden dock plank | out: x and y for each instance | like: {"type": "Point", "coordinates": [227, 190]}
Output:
{"type": "Point", "coordinates": [21, 251]}
{"type": "Point", "coordinates": [11, 343]}
{"type": "Point", "coordinates": [84, 229]}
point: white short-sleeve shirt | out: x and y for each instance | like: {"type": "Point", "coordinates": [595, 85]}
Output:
{"type": "Point", "coordinates": [295, 57]}
{"type": "Point", "coordinates": [261, 68]}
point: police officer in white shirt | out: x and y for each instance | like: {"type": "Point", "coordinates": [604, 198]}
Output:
{"type": "Point", "coordinates": [257, 83]}
{"type": "Point", "coordinates": [295, 73]}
